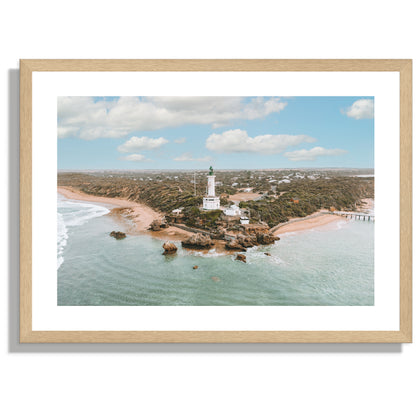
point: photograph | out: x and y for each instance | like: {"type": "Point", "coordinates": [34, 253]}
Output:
{"type": "Point", "coordinates": [215, 200]}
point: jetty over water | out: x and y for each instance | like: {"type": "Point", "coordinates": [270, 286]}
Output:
{"type": "Point", "coordinates": [355, 215]}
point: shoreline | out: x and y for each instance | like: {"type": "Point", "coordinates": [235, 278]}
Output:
{"type": "Point", "coordinates": [135, 215]}
{"type": "Point", "coordinates": [308, 223]}
{"type": "Point", "coordinates": [140, 216]}
{"type": "Point", "coordinates": [319, 219]}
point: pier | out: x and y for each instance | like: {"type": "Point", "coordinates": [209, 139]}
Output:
{"type": "Point", "coordinates": [360, 216]}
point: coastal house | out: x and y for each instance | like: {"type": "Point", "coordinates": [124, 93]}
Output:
{"type": "Point", "coordinates": [233, 210]}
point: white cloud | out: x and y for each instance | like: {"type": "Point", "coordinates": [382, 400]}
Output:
{"type": "Point", "coordinates": [238, 141]}
{"type": "Point", "coordinates": [360, 109]}
{"type": "Point", "coordinates": [136, 144]}
{"type": "Point", "coordinates": [312, 154]}
{"type": "Point", "coordinates": [180, 140]}
{"type": "Point", "coordinates": [187, 157]}
{"type": "Point", "coordinates": [135, 158]}
{"type": "Point", "coordinates": [89, 118]}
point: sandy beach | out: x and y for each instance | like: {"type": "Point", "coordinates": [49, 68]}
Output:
{"type": "Point", "coordinates": [308, 223]}
{"type": "Point", "coordinates": [139, 215]}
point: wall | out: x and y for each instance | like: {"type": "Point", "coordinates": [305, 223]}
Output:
{"type": "Point", "coordinates": [190, 380]}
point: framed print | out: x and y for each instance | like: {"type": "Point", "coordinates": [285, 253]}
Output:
{"type": "Point", "coordinates": [215, 201]}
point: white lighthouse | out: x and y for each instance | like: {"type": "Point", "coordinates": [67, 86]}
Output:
{"type": "Point", "coordinates": [210, 200]}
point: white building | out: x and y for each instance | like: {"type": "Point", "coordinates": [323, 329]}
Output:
{"type": "Point", "coordinates": [244, 220]}
{"type": "Point", "coordinates": [233, 210]}
{"type": "Point", "coordinates": [211, 201]}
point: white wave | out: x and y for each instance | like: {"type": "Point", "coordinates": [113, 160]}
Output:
{"type": "Point", "coordinates": [255, 254]}
{"type": "Point", "coordinates": [78, 213]}
{"type": "Point", "coordinates": [211, 253]}
{"type": "Point", "coordinates": [73, 214]}
{"type": "Point", "coordinates": [62, 239]}
{"type": "Point", "coordinates": [342, 224]}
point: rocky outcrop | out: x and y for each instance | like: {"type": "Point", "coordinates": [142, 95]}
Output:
{"type": "Point", "coordinates": [267, 254]}
{"type": "Point", "coordinates": [198, 241]}
{"type": "Point", "coordinates": [157, 225]}
{"type": "Point", "coordinates": [247, 241]}
{"type": "Point", "coordinates": [241, 242]}
{"type": "Point", "coordinates": [234, 245]}
{"type": "Point", "coordinates": [195, 267]}
{"type": "Point", "coordinates": [244, 241]}
{"type": "Point", "coordinates": [241, 257]}
{"type": "Point", "coordinates": [170, 248]}
{"type": "Point", "coordinates": [266, 238]}
{"type": "Point", "coordinates": [253, 229]}
{"type": "Point", "coordinates": [219, 233]}
{"type": "Point", "coordinates": [118, 235]}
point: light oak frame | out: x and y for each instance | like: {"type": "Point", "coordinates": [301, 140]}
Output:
{"type": "Point", "coordinates": [27, 335]}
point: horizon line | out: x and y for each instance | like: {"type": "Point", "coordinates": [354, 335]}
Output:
{"type": "Point", "coordinates": [219, 169]}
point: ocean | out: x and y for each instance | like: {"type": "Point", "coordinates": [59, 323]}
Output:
{"type": "Point", "coordinates": [331, 265]}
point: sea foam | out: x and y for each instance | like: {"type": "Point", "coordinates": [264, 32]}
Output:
{"type": "Point", "coordinates": [73, 214]}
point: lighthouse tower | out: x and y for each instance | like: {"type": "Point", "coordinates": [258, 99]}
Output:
{"type": "Point", "coordinates": [210, 200]}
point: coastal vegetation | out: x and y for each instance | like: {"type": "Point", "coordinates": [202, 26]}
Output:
{"type": "Point", "coordinates": [304, 197]}
{"type": "Point", "coordinates": [284, 194]}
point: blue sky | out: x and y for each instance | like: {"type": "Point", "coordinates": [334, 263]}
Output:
{"type": "Point", "coordinates": [225, 132]}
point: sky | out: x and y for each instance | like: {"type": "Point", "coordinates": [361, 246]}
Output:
{"type": "Point", "coordinates": [225, 132]}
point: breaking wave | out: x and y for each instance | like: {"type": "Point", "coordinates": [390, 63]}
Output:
{"type": "Point", "coordinates": [73, 214]}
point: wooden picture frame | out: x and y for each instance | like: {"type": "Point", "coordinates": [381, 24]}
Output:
{"type": "Point", "coordinates": [28, 335]}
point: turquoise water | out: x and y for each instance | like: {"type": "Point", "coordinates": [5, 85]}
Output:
{"type": "Point", "coordinates": [327, 266]}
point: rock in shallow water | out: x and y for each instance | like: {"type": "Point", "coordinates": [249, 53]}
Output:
{"type": "Point", "coordinates": [170, 248]}
{"type": "Point", "coordinates": [118, 235]}
{"type": "Point", "coordinates": [241, 257]}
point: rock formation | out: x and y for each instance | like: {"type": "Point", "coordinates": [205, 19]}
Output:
{"type": "Point", "coordinates": [218, 234]}
{"type": "Point", "coordinates": [118, 235]}
{"type": "Point", "coordinates": [244, 241]}
{"type": "Point", "coordinates": [157, 225]}
{"type": "Point", "coordinates": [241, 242]}
{"type": "Point", "coordinates": [241, 257]}
{"type": "Point", "coordinates": [266, 238]}
{"type": "Point", "coordinates": [234, 245]}
{"type": "Point", "coordinates": [198, 241]}
{"type": "Point", "coordinates": [169, 247]}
